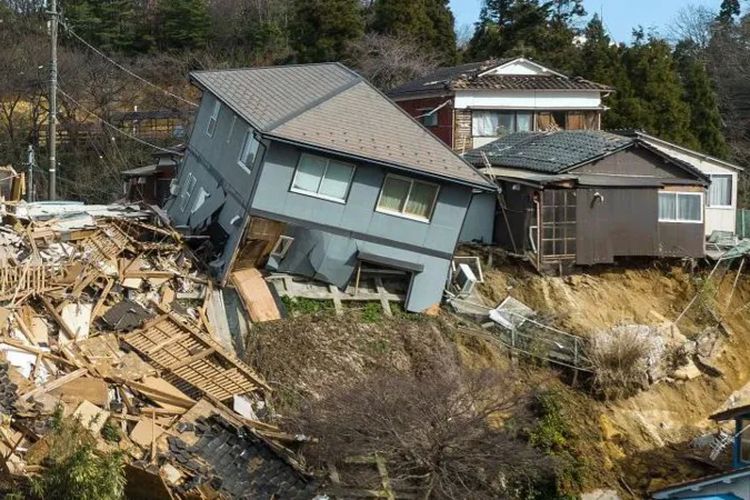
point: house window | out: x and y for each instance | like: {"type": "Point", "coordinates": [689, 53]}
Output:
{"type": "Point", "coordinates": [249, 150]}
{"type": "Point", "coordinates": [720, 191]}
{"type": "Point", "coordinates": [187, 190]}
{"type": "Point", "coordinates": [744, 432]}
{"type": "Point", "coordinates": [282, 247]}
{"type": "Point", "coordinates": [428, 117]}
{"type": "Point", "coordinates": [321, 177]}
{"type": "Point", "coordinates": [680, 207]}
{"type": "Point", "coordinates": [213, 119]}
{"type": "Point", "coordinates": [485, 123]}
{"type": "Point", "coordinates": [407, 197]}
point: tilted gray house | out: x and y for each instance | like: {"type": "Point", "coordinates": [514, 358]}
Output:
{"type": "Point", "coordinates": [309, 170]}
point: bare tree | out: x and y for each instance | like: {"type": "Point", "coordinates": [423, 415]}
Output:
{"type": "Point", "coordinates": [693, 24]}
{"type": "Point", "coordinates": [449, 434]}
{"type": "Point", "coordinates": [388, 61]}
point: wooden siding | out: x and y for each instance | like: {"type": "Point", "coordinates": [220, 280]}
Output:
{"type": "Point", "coordinates": [462, 138]}
{"type": "Point", "coordinates": [636, 162]}
{"type": "Point", "coordinates": [444, 128]}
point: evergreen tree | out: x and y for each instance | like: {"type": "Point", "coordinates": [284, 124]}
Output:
{"type": "Point", "coordinates": [655, 82]}
{"type": "Point", "coordinates": [182, 24]}
{"type": "Point", "coordinates": [728, 10]}
{"type": "Point", "coordinates": [323, 29]}
{"type": "Point", "coordinates": [112, 25]}
{"type": "Point", "coordinates": [699, 93]}
{"type": "Point", "coordinates": [542, 30]}
{"type": "Point", "coordinates": [600, 60]}
{"type": "Point", "coordinates": [428, 23]}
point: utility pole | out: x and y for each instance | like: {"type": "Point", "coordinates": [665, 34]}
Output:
{"type": "Point", "coordinates": [30, 171]}
{"type": "Point", "coordinates": [52, 136]}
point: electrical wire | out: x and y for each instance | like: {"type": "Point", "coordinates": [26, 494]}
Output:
{"type": "Point", "coordinates": [113, 127]}
{"type": "Point", "coordinates": [123, 68]}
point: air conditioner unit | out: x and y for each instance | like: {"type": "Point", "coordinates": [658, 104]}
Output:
{"type": "Point", "coordinates": [465, 280]}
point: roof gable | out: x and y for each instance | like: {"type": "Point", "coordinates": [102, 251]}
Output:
{"type": "Point", "coordinates": [329, 107]}
{"type": "Point", "coordinates": [562, 151]}
{"type": "Point", "coordinates": [516, 73]}
{"type": "Point", "coordinates": [520, 66]}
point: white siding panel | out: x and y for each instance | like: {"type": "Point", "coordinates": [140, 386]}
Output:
{"type": "Point", "coordinates": [528, 99]}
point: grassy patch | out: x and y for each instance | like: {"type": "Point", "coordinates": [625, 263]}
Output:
{"type": "Point", "coordinates": [300, 306]}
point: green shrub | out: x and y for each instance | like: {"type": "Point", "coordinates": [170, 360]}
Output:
{"type": "Point", "coordinates": [372, 312]}
{"type": "Point", "coordinates": [301, 306]}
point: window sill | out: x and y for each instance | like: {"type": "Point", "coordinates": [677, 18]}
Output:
{"type": "Point", "coordinates": [318, 196]}
{"type": "Point", "coordinates": [244, 167]}
{"type": "Point", "coordinates": [669, 221]}
{"type": "Point", "coordinates": [721, 207]}
{"type": "Point", "coordinates": [403, 216]}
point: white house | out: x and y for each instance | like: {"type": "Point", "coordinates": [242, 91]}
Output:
{"type": "Point", "coordinates": [721, 197]}
{"type": "Point", "coordinates": [473, 104]}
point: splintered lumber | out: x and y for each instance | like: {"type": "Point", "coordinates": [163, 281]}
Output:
{"type": "Point", "coordinates": [94, 390]}
{"type": "Point", "coordinates": [106, 243]}
{"type": "Point", "coordinates": [162, 393]}
{"type": "Point", "coordinates": [191, 360]}
{"type": "Point", "coordinates": [54, 384]}
{"type": "Point", "coordinates": [255, 295]}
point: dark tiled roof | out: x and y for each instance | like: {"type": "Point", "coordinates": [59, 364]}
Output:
{"type": "Point", "coordinates": [327, 106]}
{"type": "Point", "coordinates": [528, 82]}
{"type": "Point", "coordinates": [442, 78]}
{"type": "Point", "coordinates": [466, 77]}
{"type": "Point", "coordinates": [237, 464]}
{"type": "Point", "coordinates": [548, 152]}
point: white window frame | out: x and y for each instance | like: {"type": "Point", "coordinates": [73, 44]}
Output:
{"type": "Point", "coordinates": [318, 195]}
{"type": "Point", "coordinates": [677, 207]}
{"type": "Point", "coordinates": [406, 201]}
{"type": "Point", "coordinates": [428, 113]}
{"type": "Point", "coordinates": [213, 120]}
{"type": "Point", "coordinates": [282, 246]}
{"type": "Point", "coordinates": [187, 191]}
{"type": "Point", "coordinates": [515, 113]}
{"type": "Point", "coordinates": [240, 160]}
{"type": "Point", "coordinates": [731, 191]}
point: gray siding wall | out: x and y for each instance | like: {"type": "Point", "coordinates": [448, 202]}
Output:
{"type": "Point", "coordinates": [480, 219]}
{"type": "Point", "coordinates": [357, 216]}
{"type": "Point", "coordinates": [354, 225]}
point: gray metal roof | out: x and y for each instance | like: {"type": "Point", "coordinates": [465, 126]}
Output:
{"type": "Point", "coordinates": [329, 107]}
{"type": "Point", "coordinates": [548, 152]}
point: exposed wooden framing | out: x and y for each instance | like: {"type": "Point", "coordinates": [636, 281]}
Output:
{"type": "Point", "coordinates": [191, 360]}
{"type": "Point", "coordinates": [336, 297]}
{"type": "Point", "coordinates": [383, 296]}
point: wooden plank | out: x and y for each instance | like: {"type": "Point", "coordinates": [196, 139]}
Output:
{"type": "Point", "coordinates": [383, 299]}
{"type": "Point", "coordinates": [255, 295]}
{"type": "Point", "coordinates": [189, 360]}
{"type": "Point", "coordinates": [336, 296]}
{"type": "Point", "coordinates": [54, 383]}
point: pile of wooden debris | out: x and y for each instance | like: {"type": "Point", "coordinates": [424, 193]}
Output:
{"type": "Point", "coordinates": [106, 315]}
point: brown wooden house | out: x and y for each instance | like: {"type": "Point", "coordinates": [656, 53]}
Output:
{"type": "Point", "coordinates": [588, 197]}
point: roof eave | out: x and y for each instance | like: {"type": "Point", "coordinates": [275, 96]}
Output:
{"type": "Point", "coordinates": [488, 185]}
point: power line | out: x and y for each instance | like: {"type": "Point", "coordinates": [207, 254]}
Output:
{"type": "Point", "coordinates": [113, 127]}
{"type": "Point", "coordinates": [123, 68]}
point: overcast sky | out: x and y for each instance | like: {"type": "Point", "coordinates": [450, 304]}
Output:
{"type": "Point", "coordinates": [620, 16]}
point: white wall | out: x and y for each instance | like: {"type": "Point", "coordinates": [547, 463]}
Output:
{"type": "Point", "coordinates": [528, 99]}
{"type": "Point", "coordinates": [717, 219]}
{"type": "Point", "coordinates": [518, 67]}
